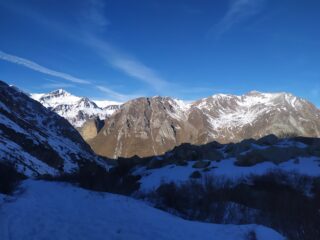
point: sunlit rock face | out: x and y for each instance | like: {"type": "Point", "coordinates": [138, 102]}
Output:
{"type": "Point", "coordinates": [152, 126]}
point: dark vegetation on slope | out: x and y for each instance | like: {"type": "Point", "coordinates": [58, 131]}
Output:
{"type": "Point", "coordinates": [247, 152]}
{"type": "Point", "coordinates": [9, 178]}
{"type": "Point", "coordinates": [90, 175]}
{"type": "Point", "coordinates": [287, 202]}
{"type": "Point", "coordinates": [95, 177]}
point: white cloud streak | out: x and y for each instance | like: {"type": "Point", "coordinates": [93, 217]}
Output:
{"type": "Point", "coordinates": [116, 58]}
{"type": "Point", "coordinates": [38, 68]}
{"type": "Point", "coordinates": [87, 35]}
{"type": "Point", "coordinates": [238, 11]}
{"type": "Point", "coordinates": [128, 65]}
{"type": "Point", "coordinates": [138, 70]}
{"type": "Point", "coordinates": [115, 95]}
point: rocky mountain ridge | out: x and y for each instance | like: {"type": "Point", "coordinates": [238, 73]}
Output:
{"type": "Point", "coordinates": [149, 126]}
{"type": "Point", "coordinates": [152, 126]}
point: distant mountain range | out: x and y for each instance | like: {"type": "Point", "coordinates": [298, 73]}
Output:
{"type": "Point", "coordinates": [152, 126]}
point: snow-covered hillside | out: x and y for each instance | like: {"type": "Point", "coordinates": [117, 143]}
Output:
{"type": "Point", "coordinates": [36, 140]}
{"type": "Point", "coordinates": [77, 110]}
{"type": "Point", "coordinates": [234, 162]}
{"type": "Point", "coordinates": [47, 210]}
{"type": "Point", "coordinates": [225, 169]}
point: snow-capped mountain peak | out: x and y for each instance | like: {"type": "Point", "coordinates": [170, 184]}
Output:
{"type": "Point", "coordinates": [86, 103]}
{"type": "Point", "coordinates": [77, 110]}
{"type": "Point", "coordinates": [60, 92]}
{"type": "Point", "coordinates": [55, 98]}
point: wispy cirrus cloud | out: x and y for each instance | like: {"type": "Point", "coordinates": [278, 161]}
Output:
{"type": "Point", "coordinates": [140, 71]}
{"type": "Point", "coordinates": [93, 21]}
{"type": "Point", "coordinates": [126, 64]}
{"type": "Point", "coordinates": [115, 57]}
{"type": "Point", "coordinates": [115, 95]}
{"type": "Point", "coordinates": [238, 11]}
{"type": "Point", "coordinates": [39, 68]}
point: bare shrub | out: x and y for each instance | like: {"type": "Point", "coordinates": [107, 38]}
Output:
{"type": "Point", "coordinates": [95, 177]}
{"type": "Point", "coordinates": [286, 202]}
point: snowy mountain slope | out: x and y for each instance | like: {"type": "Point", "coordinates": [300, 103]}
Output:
{"type": "Point", "coordinates": [77, 110]}
{"type": "Point", "coordinates": [152, 126]}
{"type": "Point", "coordinates": [253, 115]}
{"type": "Point", "coordinates": [55, 98]}
{"type": "Point", "coordinates": [47, 210]}
{"type": "Point", "coordinates": [37, 140]}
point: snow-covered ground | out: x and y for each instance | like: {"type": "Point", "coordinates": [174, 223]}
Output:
{"type": "Point", "coordinates": [226, 168]}
{"type": "Point", "coordinates": [2, 198]}
{"type": "Point", "coordinates": [47, 210]}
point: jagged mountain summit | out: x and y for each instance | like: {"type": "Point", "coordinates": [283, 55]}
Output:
{"type": "Point", "coordinates": [36, 140]}
{"type": "Point", "coordinates": [253, 115]}
{"type": "Point", "coordinates": [144, 127]}
{"type": "Point", "coordinates": [152, 126]}
{"type": "Point", "coordinates": [77, 110]}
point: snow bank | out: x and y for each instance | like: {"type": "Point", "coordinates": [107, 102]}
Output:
{"type": "Point", "coordinates": [49, 210]}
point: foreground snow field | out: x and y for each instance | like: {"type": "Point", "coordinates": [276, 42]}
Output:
{"type": "Point", "coordinates": [47, 210]}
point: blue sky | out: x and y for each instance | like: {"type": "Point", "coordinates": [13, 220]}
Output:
{"type": "Point", "coordinates": [121, 49]}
